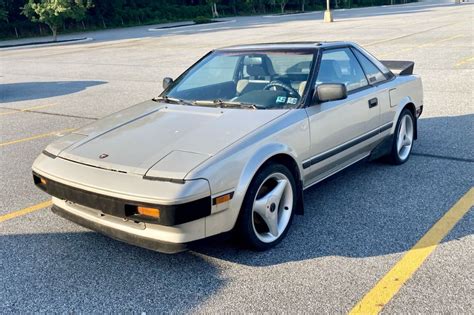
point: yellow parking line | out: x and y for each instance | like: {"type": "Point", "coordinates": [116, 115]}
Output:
{"type": "Point", "coordinates": [409, 35]}
{"type": "Point", "coordinates": [464, 61]}
{"type": "Point", "coordinates": [374, 301]}
{"type": "Point", "coordinates": [424, 45]}
{"type": "Point", "coordinates": [2, 144]}
{"type": "Point", "coordinates": [14, 111]}
{"type": "Point", "coordinates": [439, 41]}
{"type": "Point", "coordinates": [24, 211]}
{"type": "Point", "coordinates": [8, 113]}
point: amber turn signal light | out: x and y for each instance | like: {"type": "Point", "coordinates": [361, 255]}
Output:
{"type": "Point", "coordinates": [222, 199]}
{"type": "Point", "coordinates": [151, 212]}
{"type": "Point", "coordinates": [43, 181]}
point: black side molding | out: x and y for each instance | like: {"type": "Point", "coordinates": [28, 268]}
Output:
{"type": "Point", "coordinates": [347, 145]}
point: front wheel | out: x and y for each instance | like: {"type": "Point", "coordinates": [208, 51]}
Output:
{"type": "Point", "coordinates": [403, 138]}
{"type": "Point", "coordinates": [267, 210]}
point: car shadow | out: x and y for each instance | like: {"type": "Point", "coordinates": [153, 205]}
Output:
{"type": "Point", "coordinates": [368, 210]}
{"type": "Point", "coordinates": [374, 208]}
{"type": "Point", "coordinates": [15, 92]}
{"type": "Point", "coordinates": [89, 272]}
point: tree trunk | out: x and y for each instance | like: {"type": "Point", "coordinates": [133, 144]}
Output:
{"type": "Point", "coordinates": [54, 30]}
{"type": "Point", "coordinates": [302, 5]}
{"type": "Point", "coordinates": [103, 22]}
{"type": "Point", "coordinates": [83, 25]}
{"type": "Point", "coordinates": [282, 6]}
{"type": "Point", "coordinates": [262, 7]}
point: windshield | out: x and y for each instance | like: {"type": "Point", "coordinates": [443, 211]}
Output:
{"type": "Point", "coordinates": [257, 80]}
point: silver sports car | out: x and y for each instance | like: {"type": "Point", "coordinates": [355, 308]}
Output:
{"type": "Point", "coordinates": [232, 143]}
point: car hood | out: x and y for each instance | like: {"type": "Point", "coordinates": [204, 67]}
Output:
{"type": "Point", "coordinates": [160, 140]}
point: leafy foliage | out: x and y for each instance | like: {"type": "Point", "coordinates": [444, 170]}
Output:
{"type": "Point", "coordinates": [3, 11]}
{"type": "Point", "coordinates": [16, 16]}
{"type": "Point", "coordinates": [54, 12]}
{"type": "Point", "coordinates": [202, 20]}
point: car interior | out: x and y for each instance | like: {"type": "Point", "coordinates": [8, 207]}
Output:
{"type": "Point", "coordinates": [256, 81]}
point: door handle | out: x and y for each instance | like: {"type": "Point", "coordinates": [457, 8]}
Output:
{"type": "Point", "coordinates": [373, 102]}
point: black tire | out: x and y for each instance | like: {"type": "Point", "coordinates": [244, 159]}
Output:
{"type": "Point", "coordinates": [394, 156]}
{"type": "Point", "coordinates": [245, 230]}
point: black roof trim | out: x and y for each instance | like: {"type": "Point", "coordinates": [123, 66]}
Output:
{"type": "Point", "coordinates": [285, 45]}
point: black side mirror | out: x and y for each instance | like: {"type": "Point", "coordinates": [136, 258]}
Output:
{"type": "Point", "coordinates": [167, 82]}
{"type": "Point", "coordinates": [326, 92]}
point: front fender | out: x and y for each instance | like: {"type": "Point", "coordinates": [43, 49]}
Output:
{"type": "Point", "coordinates": [226, 220]}
{"type": "Point", "coordinates": [251, 168]}
{"type": "Point", "coordinates": [232, 170]}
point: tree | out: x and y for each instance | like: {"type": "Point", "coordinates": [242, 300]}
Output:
{"type": "Point", "coordinates": [3, 11]}
{"type": "Point", "coordinates": [3, 15]}
{"type": "Point", "coordinates": [54, 12]}
{"type": "Point", "coordinates": [213, 4]}
{"type": "Point", "coordinates": [282, 4]}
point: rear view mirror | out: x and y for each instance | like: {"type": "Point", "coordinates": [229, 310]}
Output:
{"type": "Point", "coordinates": [330, 92]}
{"type": "Point", "coordinates": [167, 82]}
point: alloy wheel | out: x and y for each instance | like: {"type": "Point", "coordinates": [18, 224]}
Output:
{"type": "Point", "coordinates": [405, 137]}
{"type": "Point", "coordinates": [272, 207]}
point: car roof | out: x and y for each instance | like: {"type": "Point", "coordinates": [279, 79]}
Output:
{"type": "Point", "coordinates": [287, 46]}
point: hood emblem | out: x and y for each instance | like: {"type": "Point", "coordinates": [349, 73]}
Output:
{"type": "Point", "coordinates": [103, 156]}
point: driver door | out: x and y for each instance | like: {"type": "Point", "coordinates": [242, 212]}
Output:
{"type": "Point", "coordinates": [338, 127]}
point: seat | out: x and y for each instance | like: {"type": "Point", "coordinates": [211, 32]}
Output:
{"type": "Point", "coordinates": [260, 72]}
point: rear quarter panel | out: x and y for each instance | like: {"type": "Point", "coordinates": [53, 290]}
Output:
{"type": "Point", "coordinates": [402, 91]}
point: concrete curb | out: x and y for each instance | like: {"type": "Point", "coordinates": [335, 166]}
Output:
{"type": "Point", "coordinates": [69, 42]}
{"type": "Point", "coordinates": [414, 4]}
{"type": "Point", "coordinates": [188, 26]}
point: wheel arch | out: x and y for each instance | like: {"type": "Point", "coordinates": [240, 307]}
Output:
{"type": "Point", "coordinates": [411, 107]}
{"type": "Point", "coordinates": [408, 103]}
{"type": "Point", "coordinates": [271, 153]}
{"type": "Point", "coordinates": [383, 148]}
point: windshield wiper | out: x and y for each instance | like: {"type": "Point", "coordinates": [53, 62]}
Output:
{"type": "Point", "coordinates": [168, 99]}
{"type": "Point", "coordinates": [226, 104]}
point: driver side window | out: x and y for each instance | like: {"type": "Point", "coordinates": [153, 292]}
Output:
{"type": "Point", "coordinates": [341, 66]}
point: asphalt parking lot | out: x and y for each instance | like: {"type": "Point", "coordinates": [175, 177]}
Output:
{"type": "Point", "coordinates": [357, 225]}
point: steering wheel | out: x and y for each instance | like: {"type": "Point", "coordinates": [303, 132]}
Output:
{"type": "Point", "coordinates": [278, 84]}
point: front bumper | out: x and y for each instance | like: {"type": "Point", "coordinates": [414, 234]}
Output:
{"type": "Point", "coordinates": [101, 197]}
{"type": "Point", "coordinates": [121, 235]}
{"type": "Point", "coordinates": [170, 215]}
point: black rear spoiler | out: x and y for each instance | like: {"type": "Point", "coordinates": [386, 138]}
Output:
{"type": "Point", "coordinates": [399, 67]}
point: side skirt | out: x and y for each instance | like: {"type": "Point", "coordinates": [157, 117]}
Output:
{"type": "Point", "coordinates": [382, 149]}
{"type": "Point", "coordinates": [360, 158]}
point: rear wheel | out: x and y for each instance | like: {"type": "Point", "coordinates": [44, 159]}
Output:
{"type": "Point", "coordinates": [268, 207]}
{"type": "Point", "coordinates": [403, 138]}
